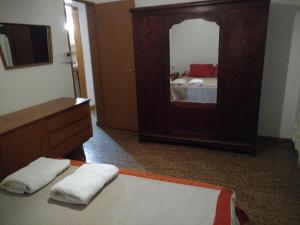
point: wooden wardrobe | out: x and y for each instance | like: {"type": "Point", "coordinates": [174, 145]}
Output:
{"type": "Point", "coordinates": [232, 122]}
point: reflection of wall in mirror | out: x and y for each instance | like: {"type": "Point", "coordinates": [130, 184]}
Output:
{"type": "Point", "coordinates": [193, 41]}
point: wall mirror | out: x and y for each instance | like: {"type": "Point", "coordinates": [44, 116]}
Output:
{"type": "Point", "coordinates": [194, 52]}
{"type": "Point", "coordinates": [23, 45]}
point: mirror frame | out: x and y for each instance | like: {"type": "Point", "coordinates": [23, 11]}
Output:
{"type": "Point", "coordinates": [211, 16]}
{"type": "Point", "coordinates": [49, 43]}
{"type": "Point", "coordinates": [182, 96]}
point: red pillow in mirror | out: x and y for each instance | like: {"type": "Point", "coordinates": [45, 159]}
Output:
{"type": "Point", "coordinates": [201, 70]}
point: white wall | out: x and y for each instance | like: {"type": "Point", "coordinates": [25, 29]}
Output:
{"type": "Point", "coordinates": [290, 2]}
{"type": "Point", "coordinates": [193, 41]}
{"type": "Point", "coordinates": [292, 86]}
{"type": "Point", "coordinates": [24, 87]}
{"type": "Point", "coordinates": [86, 50]}
{"type": "Point", "coordinates": [276, 108]}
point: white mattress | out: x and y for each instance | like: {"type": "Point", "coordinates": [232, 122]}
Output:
{"type": "Point", "coordinates": [198, 93]}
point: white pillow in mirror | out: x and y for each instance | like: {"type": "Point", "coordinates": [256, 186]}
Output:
{"type": "Point", "coordinates": [179, 81]}
{"type": "Point", "coordinates": [196, 81]}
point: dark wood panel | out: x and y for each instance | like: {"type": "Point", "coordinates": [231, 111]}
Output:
{"type": "Point", "coordinates": [196, 7]}
{"type": "Point", "coordinates": [193, 120]}
{"type": "Point", "coordinates": [152, 89]}
{"type": "Point", "coordinates": [241, 80]}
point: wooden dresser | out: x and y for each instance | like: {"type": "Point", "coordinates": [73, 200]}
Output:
{"type": "Point", "coordinates": [51, 129]}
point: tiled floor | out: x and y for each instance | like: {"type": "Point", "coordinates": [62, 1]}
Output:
{"type": "Point", "coordinates": [267, 185]}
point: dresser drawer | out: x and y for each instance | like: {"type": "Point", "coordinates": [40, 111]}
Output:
{"type": "Point", "coordinates": [71, 143]}
{"type": "Point", "coordinates": [68, 131]}
{"type": "Point", "coordinates": [61, 120]}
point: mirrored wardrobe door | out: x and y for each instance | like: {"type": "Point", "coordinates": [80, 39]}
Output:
{"type": "Point", "coordinates": [193, 50]}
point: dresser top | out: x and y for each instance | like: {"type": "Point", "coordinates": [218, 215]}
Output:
{"type": "Point", "coordinates": [29, 115]}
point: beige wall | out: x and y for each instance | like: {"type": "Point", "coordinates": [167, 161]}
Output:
{"type": "Point", "coordinates": [24, 87]}
{"type": "Point", "coordinates": [292, 86]}
{"type": "Point", "coordinates": [277, 108]}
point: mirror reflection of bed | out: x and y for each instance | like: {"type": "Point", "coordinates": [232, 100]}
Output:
{"type": "Point", "coordinates": [194, 47]}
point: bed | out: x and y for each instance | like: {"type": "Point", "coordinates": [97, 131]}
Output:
{"type": "Point", "coordinates": [185, 90]}
{"type": "Point", "coordinates": [132, 198]}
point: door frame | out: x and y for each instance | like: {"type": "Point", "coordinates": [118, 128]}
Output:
{"type": "Point", "coordinates": [79, 52]}
{"type": "Point", "coordinates": [95, 58]}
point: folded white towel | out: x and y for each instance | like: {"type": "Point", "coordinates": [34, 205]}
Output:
{"type": "Point", "coordinates": [83, 184]}
{"type": "Point", "coordinates": [179, 81]}
{"type": "Point", "coordinates": [196, 81]}
{"type": "Point", "coordinates": [34, 176]}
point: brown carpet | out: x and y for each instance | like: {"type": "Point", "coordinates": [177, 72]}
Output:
{"type": "Point", "coordinates": [267, 185]}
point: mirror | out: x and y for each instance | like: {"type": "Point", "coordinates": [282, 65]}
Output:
{"type": "Point", "coordinates": [194, 52]}
{"type": "Point", "coordinates": [24, 45]}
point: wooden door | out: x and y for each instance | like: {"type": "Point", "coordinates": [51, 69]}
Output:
{"type": "Point", "coordinates": [115, 43]}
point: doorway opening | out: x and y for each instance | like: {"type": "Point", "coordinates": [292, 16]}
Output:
{"type": "Point", "coordinates": [107, 66]}
{"type": "Point", "coordinates": [78, 35]}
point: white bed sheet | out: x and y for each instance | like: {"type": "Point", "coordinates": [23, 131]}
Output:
{"type": "Point", "coordinates": [127, 200]}
{"type": "Point", "coordinates": [198, 93]}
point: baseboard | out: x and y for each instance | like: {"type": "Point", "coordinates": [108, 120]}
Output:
{"type": "Point", "coordinates": [213, 144]}
{"type": "Point", "coordinates": [277, 139]}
